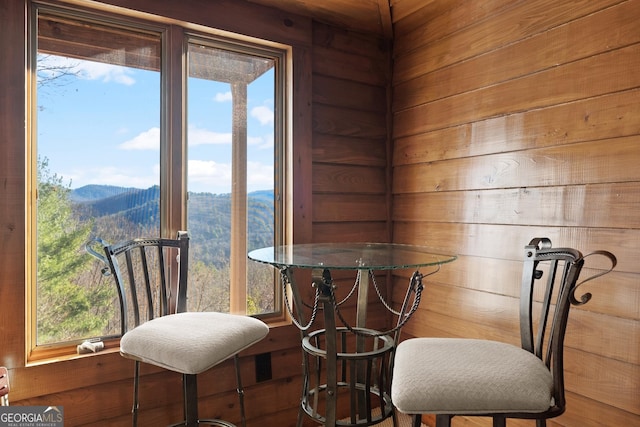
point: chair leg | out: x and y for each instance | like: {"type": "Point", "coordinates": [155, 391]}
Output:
{"type": "Point", "coordinates": [499, 422]}
{"type": "Point", "coordinates": [416, 420]}
{"type": "Point", "coordinates": [190, 396]}
{"type": "Point", "coordinates": [443, 420]}
{"type": "Point", "coordinates": [136, 383]}
{"type": "Point", "coordinates": [301, 416]}
{"type": "Point", "coordinates": [541, 423]}
{"type": "Point", "coordinates": [305, 387]}
{"type": "Point", "coordinates": [243, 420]}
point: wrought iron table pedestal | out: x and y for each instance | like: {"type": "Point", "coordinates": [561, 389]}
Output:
{"type": "Point", "coordinates": [347, 366]}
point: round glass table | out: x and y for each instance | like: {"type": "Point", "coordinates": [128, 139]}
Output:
{"type": "Point", "coordinates": [350, 256]}
{"type": "Point", "coordinates": [347, 368]}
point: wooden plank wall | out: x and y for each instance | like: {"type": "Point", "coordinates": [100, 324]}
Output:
{"type": "Point", "coordinates": [96, 390]}
{"type": "Point", "coordinates": [351, 77]}
{"type": "Point", "coordinates": [351, 73]}
{"type": "Point", "coordinates": [342, 193]}
{"type": "Point", "coordinates": [517, 119]}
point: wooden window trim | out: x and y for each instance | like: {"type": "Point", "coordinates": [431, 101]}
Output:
{"type": "Point", "coordinates": [256, 21]}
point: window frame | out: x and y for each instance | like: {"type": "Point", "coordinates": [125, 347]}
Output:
{"type": "Point", "coordinates": [173, 159]}
{"type": "Point", "coordinates": [281, 54]}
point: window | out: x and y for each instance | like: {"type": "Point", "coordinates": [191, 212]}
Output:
{"type": "Point", "coordinates": [230, 140]}
{"type": "Point", "coordinates": [141, 130]}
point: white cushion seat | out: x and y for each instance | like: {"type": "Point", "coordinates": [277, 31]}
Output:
{"type": "Point", "coordinates": [468, 376]}
{"type": "Point", "coordinates": [191, 342]}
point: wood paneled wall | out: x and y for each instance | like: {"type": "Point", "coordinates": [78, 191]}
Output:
{"type": "Point", "coordinates": [351, 81]}
{"type": "Point", "coordinates": [513, 120]}
{"type": "Point", "coordinates": [351, 75]}
{"type": "Point", "coordinates": [508, 120]}
{"type": "Point", "coordinates": [96, 390]}
{"type": "Point", "coordinates": [341, 106]}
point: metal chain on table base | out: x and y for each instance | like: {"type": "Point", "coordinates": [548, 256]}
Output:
{"type": "Point", "coordinates": [381, 298]}
{"type": "Point", "coordinates": [415, 284]}
{"type": "Point", "coordinates": [285, 281]}
{"type": "Point", "coordinates": [353, 288]}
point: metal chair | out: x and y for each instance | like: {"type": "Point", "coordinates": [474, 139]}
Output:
{"type": "Point", "coordinates": [473, 377]}
{"type": "Point", "coordinates": [156, 327]}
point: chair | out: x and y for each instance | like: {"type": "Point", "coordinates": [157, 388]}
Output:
{"type": "Point", "coordinates": [4, 386]}
{"type": "Point", "coordinates": [157, 329]}
{"type": "Point", "coordinates": [473, 377]}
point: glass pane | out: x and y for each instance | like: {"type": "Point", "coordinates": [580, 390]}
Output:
{"type": "Point", "coordinates": [98, 136]}
{"type": "Point", "coordinates": [230, 142]}
{"type": "Point", "coordinates": [261, 289]}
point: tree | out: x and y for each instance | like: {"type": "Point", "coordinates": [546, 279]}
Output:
{"type": "Point", "coordinates": [64, 306]}
{"type": "Point", "coordinates": [208, 287]}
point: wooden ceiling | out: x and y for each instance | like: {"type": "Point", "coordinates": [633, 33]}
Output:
{"type": "Point", "coordinates": [366, 16]}
{"type": "Point", "coordinates": [369, 16]}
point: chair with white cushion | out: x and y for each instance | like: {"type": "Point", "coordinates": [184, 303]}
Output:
{"type": "Point", "coordinates": [475, 377]}
{"type": "Point", "coordinates": [157, 329]}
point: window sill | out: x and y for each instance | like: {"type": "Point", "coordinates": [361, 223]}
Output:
{"type": "Point", "coordinates": [53, 354]}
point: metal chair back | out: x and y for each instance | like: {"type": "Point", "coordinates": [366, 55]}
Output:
{"type": "Point", "coordinates": [549, 283]}
{"type": "Point", "coordinates": [150, 276]}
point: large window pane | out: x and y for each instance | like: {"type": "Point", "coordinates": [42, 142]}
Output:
{"type": "Point", "coordinates": [97, 161]}
{"type": "Point", "coordinates": [107, 161]}
{"type": "Point", "coordinates": [231, 154]}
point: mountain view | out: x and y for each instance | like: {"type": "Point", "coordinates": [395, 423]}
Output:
{"type": "Point", "coordinates": [76, 300]}
{"type": "Point", "coordinates": [209, 216]}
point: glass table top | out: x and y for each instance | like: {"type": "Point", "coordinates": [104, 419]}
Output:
{"type": "Point", "coordinates": [351, 256]}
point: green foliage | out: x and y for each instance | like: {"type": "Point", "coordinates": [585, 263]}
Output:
{"type": "Point", "coordinates": [208, 287]}
{"type": "Point", "coordinates": [75, 301]}
{"type": "Point", "coordinates": [64, 306]}
{"type": "Point", "coordinates": [136, 212]}
{"type": "Point", "coordinates": [261, 279]}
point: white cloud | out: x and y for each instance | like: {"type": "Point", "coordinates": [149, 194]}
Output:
{"type": "Point", "coordinates": [261, 142]}
{"type": "Point", "coordinates": [209, 176]}
{"type": "Point", "coordinates": [106, 72]}
{"type": "Point", "coordinates": [111, 175]}
{"type": "Point", "coordinates": [263, 114]}
{"type": "Point", "coordinates": [259, 176]}
{"type": "Point", "coordinates": [255, 140]}
{"type": "Point", "coordinates": [52, 66]}
{"type": "Point", "coordinates": [204, 176]}
{"type": "Point", "coordinates": [223, 97]}
{"type": "Point", "coordinates": [150, 139]}
{"type": "Point", "coordinates": [205, 169]}
{"type": "Point", "coordinates": [198, 136]}
{"type": "Point", "coordinates": [215, 177]}
{"type": "Point", "coordinates": [147, 140]}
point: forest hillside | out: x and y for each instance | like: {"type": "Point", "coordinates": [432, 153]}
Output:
{"type": "Point", "coordinates": [209, 216]}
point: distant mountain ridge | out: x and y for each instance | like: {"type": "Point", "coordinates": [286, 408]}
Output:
{"type": "Point", "coordinates": [107, 200]}
{"type": "Point", "coordinates": [96, 192]}
{"type": "Point", "coordinates": [209, 215]}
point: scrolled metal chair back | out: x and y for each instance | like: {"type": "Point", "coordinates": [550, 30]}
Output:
{"type": "Point", "coordinates": [551, 275]}
{"type": "Point", "coordinates": [150, 276]}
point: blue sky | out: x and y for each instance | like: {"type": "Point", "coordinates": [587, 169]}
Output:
{"type": "Point", "coordinates": [102, 126]}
